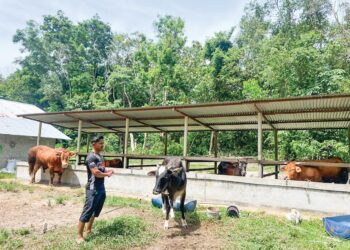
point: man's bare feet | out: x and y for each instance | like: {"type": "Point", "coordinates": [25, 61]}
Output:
{"type": "Point", "coordinates": [80, 240]}
{"type": "Point", "coordinates": [88, 233]}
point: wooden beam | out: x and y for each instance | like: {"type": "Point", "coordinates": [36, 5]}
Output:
{"type": "Point", "coordinates": [39, 134]}
{"type": "Point", "coordinates": [165, 143]}
{"type": "Point", "coordinates": [260, 155]}
{"type": "Point", "coordinates": [87, 143]}
{"type": "Point", "coordinates": [275, 138]}
{"type": "Point", "coordinates": [259, 111]}
{"type": "Point", "coordinates": [215, 144]}
{"type": "Point", "coordinates": [126, 139]}
{"type": "Point", "coordinates": [80, 124]}
{"type": "Point", "coordinates": [194, 119]}
{"type": "Point", "coordinates": [93, 123]}
{"type": "Point", "coordinates": [185, 136]}
{"type": "Point", "coordinates": [137, 120]}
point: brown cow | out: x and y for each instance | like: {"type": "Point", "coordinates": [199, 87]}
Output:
{"type": "Point", "coordinates": [114, 163]}
{"type": "Point", "coordinates": [233, 168]}
{"type": "Point", "coordinates": [318, 174]}
{"type": "Point", "coordinates": [56, 160]}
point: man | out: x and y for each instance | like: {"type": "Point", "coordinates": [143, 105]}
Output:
{"type": "Point", "coordinates": [95, 189]}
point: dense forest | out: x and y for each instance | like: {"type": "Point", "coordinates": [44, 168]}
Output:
{"type": "Point", "coordinates": [280, 48]}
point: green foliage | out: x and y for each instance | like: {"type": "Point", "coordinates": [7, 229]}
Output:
{"type": "Point", "coordinates": [282, 48]}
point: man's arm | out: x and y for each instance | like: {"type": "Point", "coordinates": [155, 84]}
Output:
{"type": "Point", "coordinates": [100, 174]}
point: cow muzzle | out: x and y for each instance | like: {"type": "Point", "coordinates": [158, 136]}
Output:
{"type": "Point", "coordinates": [65, 165]}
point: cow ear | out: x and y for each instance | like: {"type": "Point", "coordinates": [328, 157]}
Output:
{"type": "Point", "coordinates": [72, 153]}
{"type": "Point", "coordinates": [151, 173]}
{"type": "Point", "coordinates": [298, 169]}
{"type": "Point", "coordinates": [58, 153]}
{"type": "Point", "coordinates": [283, 168]}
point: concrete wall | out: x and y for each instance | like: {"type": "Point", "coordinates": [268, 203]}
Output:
{"type": "Point", "coordinates": [225, 190]}
{"type": "Point", "coordinates": [19, 151]}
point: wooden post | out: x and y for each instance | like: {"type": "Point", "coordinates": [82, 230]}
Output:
{"type": "Point", "coordinates": [80, 123]}
{"type": "Point", "coordinates": [88, 143]}
{"type": "Point", "coordinates": [126, 138]}
{"type": "Point", "coordinates": [39, 134]}
{"type": "Point", "coordinates": [215, 144]}
{"type": "Point", "coordinates": [260, 156]}
{"type": "Point", "coordinates": [275, 134]}
{"type": "Point", "coordinates": [165, 143]}
{"type": "Point", "coordinates": [349, 148]}
{"type": "Point", "coordinates": [185, 141]}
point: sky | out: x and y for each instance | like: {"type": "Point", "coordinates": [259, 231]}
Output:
{"type": "Point", "coordinates": [202, 18]}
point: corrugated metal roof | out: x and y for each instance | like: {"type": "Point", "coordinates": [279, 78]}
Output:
{"type": "Point", "coordinates": [10, 124]}
{"type": "Point", "coordinates": [308, 112]}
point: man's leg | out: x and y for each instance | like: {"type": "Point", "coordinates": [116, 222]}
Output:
{"type": "Point", "coordinates": [81, 226]}
{"type": "Point", "coordinates": [89, 225]}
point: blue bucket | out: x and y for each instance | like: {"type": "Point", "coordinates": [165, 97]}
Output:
{"type": "Point", "coordinates": [190, 206]}
{"type": "Point", "coordinates": [338, 226]}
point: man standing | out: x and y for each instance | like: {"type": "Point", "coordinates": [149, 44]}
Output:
{"type": "Point", "coordinates": [95, 188]}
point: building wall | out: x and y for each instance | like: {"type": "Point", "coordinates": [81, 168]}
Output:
{"type": "Point", "coordinates": [21, 146]}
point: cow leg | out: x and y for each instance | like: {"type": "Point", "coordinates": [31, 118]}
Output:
{"type": "Point", "coordinates": [167, 208]}
{"type": "Point", "coordinates": [171, 205]}
{"type": "Point", "coordinates": [52, 175]}
{"type": "Point", "coordinates": [59, 179]}
{"type": "Point", "coordinates": [163, 203]}
{"type": "Point", "coordinates": [36, 168]}
{"type": "Point", "coordinates": [182, 208]}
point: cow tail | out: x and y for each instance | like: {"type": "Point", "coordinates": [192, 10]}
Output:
{"type": "Point", "coordinates": [31, 161]}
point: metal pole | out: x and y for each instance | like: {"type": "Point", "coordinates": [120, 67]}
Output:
{"type": "Point", "coordinates": [80, 123]}
{"type": "Point", "coordinates": [39, 134]}
{"type": "Point", "coordinates": [215, 144]}
{"type": "Point", "coordinates": [275, 134]}
{"type": "Point", "coordinates": [165, 143]}
{"type": "Point", "coordinates": [260, 156]}
{"type": "Point", "coordinates": [126, 138]}
{"type": "Point", "coordinates": [185, 141]}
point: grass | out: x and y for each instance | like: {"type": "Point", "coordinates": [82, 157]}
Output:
{"type": "Point", "coordinates": [261, 231]}
{"type": "Point", "coordinates": [117, 233]}
{"type": "Point", "coordinates": [12, 239]}
{"type": "Point", "coordinates": [14, 186]}
{"type": "Point", "coordinates": [7, 176]}
{"type": "Point", "coordinates": [115, 201]}
{"type": "Point", "coordinates": [61, 199]}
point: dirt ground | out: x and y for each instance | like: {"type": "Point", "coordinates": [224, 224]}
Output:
{"type": "Point", "coordinates": [41, 210]}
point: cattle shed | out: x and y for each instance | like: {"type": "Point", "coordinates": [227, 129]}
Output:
{"type": "Point", "coordinates": [294, 113]}
{"type": "Point", "coordinates": [17, 135]}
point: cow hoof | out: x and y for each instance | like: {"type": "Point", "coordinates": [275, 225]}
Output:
{"type": "Point", "coordinates": [184, 223]}
{"type": "Point", "coordinates": [166, 224]}
{"type": "Point", "coordinates": [172, 215]}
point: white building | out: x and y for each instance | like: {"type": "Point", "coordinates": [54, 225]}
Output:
{"type": "Point", "coordinates": [18, 135]}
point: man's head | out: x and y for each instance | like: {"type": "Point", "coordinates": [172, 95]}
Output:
{"type": "Point", "coordinates": [98, 143]}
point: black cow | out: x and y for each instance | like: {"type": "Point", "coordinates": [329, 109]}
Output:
{"type": "Point", "coordinates": [171, 183]}
{"type": "Point", "coordinates": [233, 168]}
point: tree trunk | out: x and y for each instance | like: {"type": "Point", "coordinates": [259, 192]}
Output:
{"type": "Point", "coordinates": [144, 142]}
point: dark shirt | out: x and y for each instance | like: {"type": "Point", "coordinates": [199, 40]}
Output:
{"type": "Point", "coordinates": [94, 160]}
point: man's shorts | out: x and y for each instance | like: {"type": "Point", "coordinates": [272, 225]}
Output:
{"type": "Point", "coordinates": [93, 204]}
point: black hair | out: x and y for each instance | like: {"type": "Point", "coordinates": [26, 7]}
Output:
{"type": "Point", "coordinates": [97, 138]}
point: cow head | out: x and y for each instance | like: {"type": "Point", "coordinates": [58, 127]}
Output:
{"type": "Point", "coordinates": [291, 170]}
{"type": "Point", "coordinates": [64, 156]}
{"type": "Point", "coordinates": [163, 177]}
{"type": "Point", "coordinates": [242, 168]}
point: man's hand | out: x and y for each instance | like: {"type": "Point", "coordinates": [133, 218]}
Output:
{"type": "Point", "coordinates": [109, 173]}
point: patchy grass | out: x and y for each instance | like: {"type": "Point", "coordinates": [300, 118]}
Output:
{"type": "Point", "coordinates": [118, 233]}
{"type": "Point", "coordinates": [12, 239]}
{"type": "Point", "coordinates": [260, 231]}
{"type": "Point", "coordinates": [14, 186]}
{"type": "Point", "coordinates": [115, 201]}
{"type": "Point", "coordinates": [61, 199]}
{"type": "Point", "coordinates": [7, 176]}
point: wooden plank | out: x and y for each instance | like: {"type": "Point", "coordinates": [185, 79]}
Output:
{"type": "Point", "coordinates": [185, 135]}
{"type": "Point", "coordinates": [80, 124]}
{"type": "Point", "coordinates": [200, 169]}
{"type": "Point", "coordinates": [269, 174]}
{"type": "Point", "coordinates": [275, 138]}
{"type": "Point", "coordinates": [215, 144]}
{"type": "Point", "coordinates": [260, 156]}
{"type": "Point", "coordinates": [165, 143]}
{"type": "Point", "coordinates": [126, 139]}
